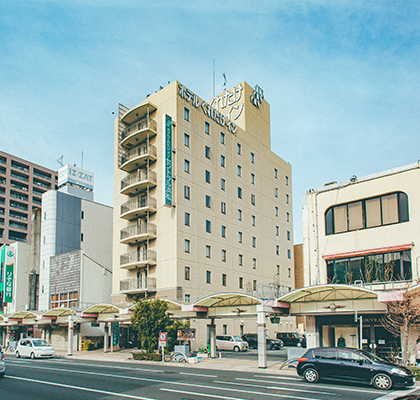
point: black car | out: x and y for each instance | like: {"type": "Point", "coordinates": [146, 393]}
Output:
{"type": "Point", "coordinates": [271, 344]}
{"type": "Point", "coordinates": [290, 339]}
{"type": "Point", "coordinates": [352, 365]}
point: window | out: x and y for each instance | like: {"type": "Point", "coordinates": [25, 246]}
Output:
{"type": "Point", "coordinates": [276, 192]}
{"type": "Point", "coordinates": [223, 184]}
{"type": "Point", "coordinates": [241, 260]}
{"type": "Point", "coordinates": [208, 226]}
{"type": "Point", "coordinates": [254, 285]}
{"type": "Point", "coordinates": [224, 255]}
{"type": "Point", "coordinates": [238, 148]}
{"type": "Point", "coordinates": [223, 231]}
{"type": "Point", "coordinates": [276, 211]}
{"type": "Point", "coordinates": [252, 158]}
{"type": "Point", "coordinates": [208, 251]}
{"type": "Point", "coordinates": [222, 161]}
{"type": "Point", "coordinates": [225, 329]}
{"type": "Point", "coordinates": [252, 179]}
{"type": "Point", "coordinates": [289, 254]}
{"type": "Point", "coordinates": [288, 235]}
{"type": "Point", "coordinates": [289, 271]}
{"type": "Point", "coordinates": [253, 199]}
{"type": "Point", "coordinates": [287, 217]}
{"type": "Point", "coordinates": [187, 273]}
{"type": "Point", "coordinates": [367, 213]}
{"type": "Point", "coordinates": [253, 219]}
{"type": "Point", "coordinates": [187, 298]}
{"type": "Point", "coordinates": [287, 199]}
{"type": "Point", "coordinates": [222, 137]}
{"type": "Point", "coordinates": [186, 114]}
{"type": "Point", "coordinates": [81, 237]}
{"type": "Point", "coordinates": [223, 207]}
{"type": "Point", "coordinates": [187, 192]}
{"type": "Point", "coordinates": [208, 201]}
{"type": "Point", "coordinates": [82, 215]}
{"type": "Point", "coordinates": [208, 276]}
{"type": "Point", "coordinates": [240, 237]}
{"type": "Point", "coordinates": [207, 128]}
{"type": "Point", "coordinates": [187, 219]}
{"type": "Point", "coordinates": [186, 166]}
{"type": "Point", "coordinates": [239, 215]}
{"type": "Point", "coordinates": [254, 263]}
{"type": "Point", "coordinates": [277, 250]}
{"type": "Point", "coordinates": [286, 180]}
{"type": "Point", "coordinates": [186, 140]}
{"type": "Point", "coordinates": [254, 241]}
{"type": "Point", "coordinates": [207, 176]}
{"type": "Point", "coordinates": [239, 170]}
{"type": "Point", "coordinates": [275, 173]}
{"type": "Point", "coordinates": [239, 192]}
{"type": "Point", "coordinates": [277, 231]}
{"type": "Point", "coordinates": [223, 279]}
{"type": "Point", "coordinates": [207, 152]}
{"type": "Point", "coordinates": [241, 282]}
{"type": "Point", "coordinates": [187, 245]}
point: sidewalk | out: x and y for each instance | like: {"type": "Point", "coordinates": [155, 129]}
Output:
{"type": "Point", "coordinates": [221, 364]}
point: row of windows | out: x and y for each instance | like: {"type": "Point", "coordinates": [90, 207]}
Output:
{"type": "Point", "coordinates": [207, 152]}
{"type": "Point", "coordinates": [367, 213]}
{"type": "Point", "coordinates": [187, 248]}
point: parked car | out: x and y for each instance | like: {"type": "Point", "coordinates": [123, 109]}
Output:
{"type": "Point", "coordinates": [2, 363]}
{"type": "Point", "coordinates": [34, 348]}
{"type": "Point", "coordinates": [352, 365]}
{"type": "Point", "coordinates": [230, 342]}
{"type": "Point", "coordinates": [252, 339]}
{"type": "Point", "coordinates": [290, 338]}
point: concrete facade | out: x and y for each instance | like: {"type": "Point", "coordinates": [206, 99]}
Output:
{"type": "Point", "coordinates": [228, 227]}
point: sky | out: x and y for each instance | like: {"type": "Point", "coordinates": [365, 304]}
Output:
{"type": "Point", "coordinates": [341, 77]}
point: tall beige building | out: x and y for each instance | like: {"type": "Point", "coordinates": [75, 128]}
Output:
{"type": "Point", "coordinates": [201, 203]}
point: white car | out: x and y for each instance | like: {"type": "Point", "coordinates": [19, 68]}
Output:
{"type": "Point", "coordinates": [34, 348]}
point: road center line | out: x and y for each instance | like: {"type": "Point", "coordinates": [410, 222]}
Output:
{"type": "Point", "coordinates": [79, 388]}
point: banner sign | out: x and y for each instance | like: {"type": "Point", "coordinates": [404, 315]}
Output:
{"type": "Point", "coordinates": [115, 333]}
{"type": "Point", "coordinates": [185, 334]}
{"type": "Point", "coordinates": [8, 263]}
{"type": "Point", "coordinates": [167, 123]}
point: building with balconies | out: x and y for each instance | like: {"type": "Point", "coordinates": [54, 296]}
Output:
{"type": "Point", "coordinates": [201, 203]}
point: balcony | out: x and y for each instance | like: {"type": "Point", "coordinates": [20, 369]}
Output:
{"type": "Point", "coordinates": [138, 207]}
{"type": "Point", "coordinates": [138, 182]}
{"type": "Point", "coordinates": [135, 259]}
{"type": "Point", "coordinates": [134, 234]}
{"type": "Point", "coordinates": [138, 132]}
{"type": "Point", "coordinates": [134, 285]}
{"type": "Point", "coordinates": [138, 157]}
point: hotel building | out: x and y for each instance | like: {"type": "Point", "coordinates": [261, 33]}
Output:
{"type": "Point", "coordinates": [201, 203]}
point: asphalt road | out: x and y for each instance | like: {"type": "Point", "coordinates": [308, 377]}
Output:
{"type": "Point", "coordinates": [70, 379]}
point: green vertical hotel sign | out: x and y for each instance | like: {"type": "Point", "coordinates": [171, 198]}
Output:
{"type": "Point", "coordinates": [167, 121]}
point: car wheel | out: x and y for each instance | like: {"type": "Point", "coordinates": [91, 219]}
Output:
{"type": "Point", "coordinates": [299, 345]}
{"type": "Point", "coordinates": [311, 375]}
{"type": "Point", "coordinates": [236, 349]}
{"type": "Point", "coordinates": [32, 355]}
{"type": "Point", "coordinates": [382, 381]}
{"type": "Point", "coordinates": [17, 354]}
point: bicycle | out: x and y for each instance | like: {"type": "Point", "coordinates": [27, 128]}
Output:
{"type": "Point", "coordinates": [177, 357]}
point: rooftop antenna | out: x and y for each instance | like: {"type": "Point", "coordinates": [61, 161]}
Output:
{"type": "Point", "coordinates": [60, 161]}
{"type": "Point", "coordinates": [214, 79]}
{"type": "Point", "coordinates": [82, 159]}
{"type": "Point", "coordinates": [225, 81]}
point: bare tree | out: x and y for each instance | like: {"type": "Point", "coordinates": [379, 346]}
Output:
{"type": "Point", "coordinates": [403, 313]}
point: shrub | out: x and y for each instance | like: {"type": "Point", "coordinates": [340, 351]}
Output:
{"type": "Point", "coordinates": [147, 356]}
{"type": "Point", "coordinates": [88, 345]}
{"type": "Point", "coordinates": [416, 372]}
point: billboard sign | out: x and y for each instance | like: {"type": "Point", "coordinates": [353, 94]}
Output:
{"type": "Point", "coordinates": [76, 176]}
{"type": "Point", "coordinates": [185, 334]}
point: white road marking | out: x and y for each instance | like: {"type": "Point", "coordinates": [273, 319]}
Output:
{"type": "Point", "coordinates": [395, 394]}
{"type": "Point", "coordinates": [79, 388]}
{"type": "Point", "coordinates": [192, 374]}
{"type": "Point", "coordinates": [275, 387]}
{"type": "Point", "coordinates": [201, 394]}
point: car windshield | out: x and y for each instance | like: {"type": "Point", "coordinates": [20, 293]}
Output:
{"type": "Point", "coordinates": [237, 339]}
{"type": "Point", "coordinates": [40, 343]}
{"type": "Point", "coordinates": [371, 356]}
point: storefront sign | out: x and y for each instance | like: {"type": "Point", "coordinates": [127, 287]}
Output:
{"type": "Point", "coordinates": [185, 334]}
{"type": "Point", "coordinates": [207, 109]}
{"type": "Point", "coordinates": [8, 263]}
{"type": "Point", "coordinates": [167, 123]}
{"type": "Point", "coordinates": [115, 333]}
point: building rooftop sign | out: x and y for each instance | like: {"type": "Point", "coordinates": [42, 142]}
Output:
{"type": "Point", "coordinates": [70, 174]}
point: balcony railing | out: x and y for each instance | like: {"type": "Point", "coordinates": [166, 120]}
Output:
{"type": "Point", "coordinates": [139, 132]}
{"type": "Point", "coordinates": [138, 151]}
{"type": "Point", "coordinates": [135, 285]}
{"type": "Point", "coordinates": [135, 183]}
{"type": "Point", "coordinates": [386, 286]}
{"type": "Point", "coordinates": [138, 257]}
{"type": "Point", "coordinates": [134, 206]}
{"type": "Point", "coordinates": [134, 233]}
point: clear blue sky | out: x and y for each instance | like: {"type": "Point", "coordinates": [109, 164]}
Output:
{"type": "Point", "coordinates": [342, 77]}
